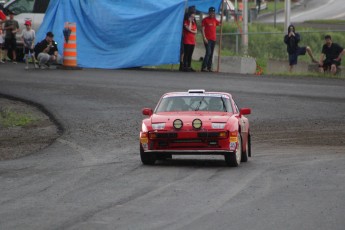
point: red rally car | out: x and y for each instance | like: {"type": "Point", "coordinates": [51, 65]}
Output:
{"type": "Point", "coordinates": [195, 122]}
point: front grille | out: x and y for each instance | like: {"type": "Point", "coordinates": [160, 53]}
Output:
{"type": "Point", "coordinates": [187, 141]}
{"type": "Point", "coordinates": [175, 135]}
{"type": "Point", "coordinates": [166, 135]}
{"type": "Point", "coordinates": [162, 143]}
{"type": "Point", "coordinates": [208, 134]}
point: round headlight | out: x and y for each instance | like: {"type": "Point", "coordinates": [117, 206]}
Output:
{"type": "Point", "coordinates": [178, 124]}
{"type": "Point", "coordinates": [197, 123]}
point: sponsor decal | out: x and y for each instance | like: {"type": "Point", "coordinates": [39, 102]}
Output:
{"type": "Point", "coordinates": [232, 145]}
{"type": "Point", "coordinates": [144, 146]}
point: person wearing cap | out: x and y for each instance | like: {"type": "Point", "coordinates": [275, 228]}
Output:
{"type": "Point", "coordinates": [28, 37]}
{"type": "Point", "coordinates": [209, 26]}
{"type": "Point", "coordinates": [46, 51]}
{"type": "Point", "coordinates": [189, 32]}
{"type": "Point", "coordinates": [11, 27]}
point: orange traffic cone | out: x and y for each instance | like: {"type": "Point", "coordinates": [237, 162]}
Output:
{"type": "Point", "coordinates": [70, 46]}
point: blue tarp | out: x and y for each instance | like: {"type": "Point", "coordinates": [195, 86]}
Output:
{"type": "Point", "coordinates": [203, 5]}
{"type": "Point", "coordinates": [121, 33]}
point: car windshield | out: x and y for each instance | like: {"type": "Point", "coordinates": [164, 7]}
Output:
{"type": "Point", "coordinates": [194, 103]}
{"type": "Point", "coordinates": [22, 6]}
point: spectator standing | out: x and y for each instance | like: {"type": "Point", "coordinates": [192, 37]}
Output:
{"type": "Point", "coordinates": [11, 27]}
{"type": "Point", "coordinates": [209, 26]}
{"type": "Point", "coordinates": [46, 52]}
{"type": "Point", "coordinates": [258, 5]}
{"type": "Point", "coordinates": [291, 40]}
{"type": "Point", "coordinates": [185, 17]}
{"type": "Point", "coordinates": [28, 36]}
{"type": "Point", "coordinates": [189, 32]}
{"type": "Point", "coordinates": [330, 57]}
{"type": "Point", "coordinates": [1, 44]}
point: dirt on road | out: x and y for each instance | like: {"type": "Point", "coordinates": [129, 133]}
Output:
{"type": "Point", "coordinates": [20, 141]}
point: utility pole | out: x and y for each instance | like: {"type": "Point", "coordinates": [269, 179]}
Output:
{"type": "Point", "coordinates": [245, 27]}
{"type": "Point", "coordinates": [287, 14]}
{"type": "Point", "coordinates": [221, 35]}
{"type": "Point", "coordinates": [275, 13]}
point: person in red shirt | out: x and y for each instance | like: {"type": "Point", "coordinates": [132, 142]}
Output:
{"type": "Point", "coordinates": [209, 26]}
{"type": "Point", "coordinates": [189, 32]}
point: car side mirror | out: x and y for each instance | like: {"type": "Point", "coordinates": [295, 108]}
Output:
{"type": "Point", "coordinates": [147, 111]}
{"type": "Point", "coordinates": [245, 111]}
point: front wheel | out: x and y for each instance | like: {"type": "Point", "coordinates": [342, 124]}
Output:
{"type": "Point", "coordinates": [147, 158]}
{"type": "Point", "coordinates": [246, 151]}
{"type": "Point", "coordinates": [234, 159]}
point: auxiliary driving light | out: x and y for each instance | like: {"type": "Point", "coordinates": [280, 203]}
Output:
{"type": "Point", "coordinates": [178, 124]}
{"type": "Point", "coordinates": [197, 123]}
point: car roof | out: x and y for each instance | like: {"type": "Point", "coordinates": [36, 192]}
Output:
{"type": "Point", "coordinates": [198, 92]}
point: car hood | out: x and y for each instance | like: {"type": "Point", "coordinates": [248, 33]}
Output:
{"type": "Point", "coordinates": [205, 117]}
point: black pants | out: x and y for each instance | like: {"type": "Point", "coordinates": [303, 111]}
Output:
{"type": "Point", "coordinates": [187, 57]}
{"type": "Point", "coordinates": [327, 63]}
{"type": "Point", "coordinates": [10, 44]}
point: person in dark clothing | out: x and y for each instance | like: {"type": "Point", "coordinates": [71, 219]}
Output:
{"type": "Point", "coordinates": [209, 26]}
{"type": "Point", "coordinates": [330, 56]}
{"type": "Point", "coordinates": [46, 51]}
{"type": "Point", "coordinates": [186, 16]}
{"type": "Point", "coordinates": [291, 40]}
{"type": "Point", "coordinates": [11, 27]}
{"type": "Point", "coordinates": [189, 32]}
{"type": "Point", "coordinates": [258, 5]}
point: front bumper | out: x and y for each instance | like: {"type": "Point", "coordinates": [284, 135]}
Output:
{"type": "Point", "coordinates": [190, 152]}
{"type": "Point", "coordinates": [189, 143]}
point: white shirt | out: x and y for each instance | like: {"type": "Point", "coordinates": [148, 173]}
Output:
{"type": "Point", "coordinates": [28, 37]}
{"type": "Point", "coordinates": [1, 38]}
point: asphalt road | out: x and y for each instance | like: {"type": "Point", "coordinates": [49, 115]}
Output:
{"type": "Point", "coordinates": [311, 10]}
{"type": "Point", "coordinates": [92, 177]}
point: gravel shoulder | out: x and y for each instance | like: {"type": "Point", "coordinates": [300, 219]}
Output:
{"type": "Point", "coordinates": [17, 142]}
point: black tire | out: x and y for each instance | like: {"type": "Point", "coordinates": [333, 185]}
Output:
{"type": "Point", "coordinates": [234, 159]}
{"type": "Point", "coordinates": [147, 158]}
{"type": "Point", "coordinates": [245, 153]}
{"type": "Point", "coordinates": [249, 146]}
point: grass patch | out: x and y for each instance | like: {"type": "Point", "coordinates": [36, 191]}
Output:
{"type": "Point", "coordinates": [9, 118]}
{"type": "Point", "coordinates": [270, 6]}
